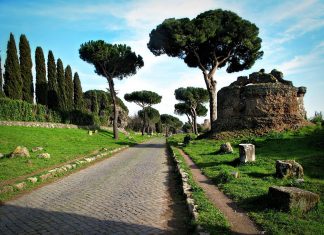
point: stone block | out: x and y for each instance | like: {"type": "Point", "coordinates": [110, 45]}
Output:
{"type": "Point", "coordinates": [20, 186]}
{"type": "Point", "coordinates": [32, 179]}
{"type": "Point", "coordinates": [247, 153]}
{"type": "Point", "coordinates": [235, 174]}
{"type": "Point", "coordinates": [37, 149]}
{"type": "Point", "coordinates": [44, 155]}
{"type": "Point", "coordinates": [20, 151]}
{"type": "Point", "coordinates": [2, 155]}
{"type": "Point", "coordinates": [90, 132]}
{"type": "Point", "coordinates": [226, 148]}
{"type": "Point", "coordinates": [289, 169]}
{"type": "Point", "coordinates": [290, 198]}
{"type": "Point", "coordinates": [46, 176]}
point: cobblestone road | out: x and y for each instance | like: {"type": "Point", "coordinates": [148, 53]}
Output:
{"type": "Point", "coordinates": [126, 194]}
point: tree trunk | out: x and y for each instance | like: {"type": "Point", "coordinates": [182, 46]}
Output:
{"type": "Point", "coordinates": [144, 122]}
{"type": "Point", "coordinates": [194, 118]}
{"type": "Point", "coordinates": [211, 88]}
{"type": "Point", "coordinates": [191, 123]}
{"type": "Point", "coordinates": [114, 100]}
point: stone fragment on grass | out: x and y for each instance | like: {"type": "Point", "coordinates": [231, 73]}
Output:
{"type": "Point", "coordinates": [46, 176]}
{"type": "Point", "coordinates": [289, 169]}
{"type": "Point", "coordinates": [32, 179]}
{"type": "Point", "coordinates": [226, 148]}
{"type": "Point", "coordinates": [68, 166]}
{"type": "Point", "coordinates": [44, 155]}
{"type": "Point", "coordinates": [37, 149]}
{"type": "Point", "coordinates": [2, 155]}
{"type": "Point", "coordinates": [90, 159]}
{"type": "Point", "coordinates": [90, 132]}
{"type": "Point", "coordinates": [20, 151]}
{"type": "Point", "coordinates": [235, 174]}
{"type": "Point", "coordinates": [247, 153]}
{"type": "Point", "coordinates": [6, 189]}
{"type": "Point", "coordinates": [292, 198]}
{"type": "Point", "coordinates": [20, 186]}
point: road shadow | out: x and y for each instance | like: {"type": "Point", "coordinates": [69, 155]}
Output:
{"type": "Point", "coordinates": [150, 145]}
{"type": "Point", "coordinates": [180, 221]}
{"type": "Point", "coordinates": [24, 220]}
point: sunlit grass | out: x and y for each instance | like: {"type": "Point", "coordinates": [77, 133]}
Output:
{"type": "Point", "coordinates": [250, 189]}
{"type": "Point", "coordinates": [62, 144]}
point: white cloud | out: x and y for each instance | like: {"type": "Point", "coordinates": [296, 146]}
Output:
{"type": "Point", "coordinates": [292, 9]}
{"type": "Point", "coordinates": [303, 63]}
{"type": "Point", "coordinates": [291, 20]}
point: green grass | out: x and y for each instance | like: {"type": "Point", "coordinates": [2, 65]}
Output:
{"type": "Point", "coordinates": [250, 189]}
{"type": "Point", "coordinates": [62, 144]}
{"type": "Point", "coordinates": [210, 218]}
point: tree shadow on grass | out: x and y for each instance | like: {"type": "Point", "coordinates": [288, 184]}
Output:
{"type": "Point", "coordinates": [255, 203]}
{"type": "Point", "coordinates": [234, 163]}
{"type": "Point", "coordinates": [260, 175]}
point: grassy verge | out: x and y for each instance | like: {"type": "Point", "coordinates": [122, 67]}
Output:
{"type": "Point", "coordinates": [62, 144]}
{"type": "Point", "coordinates": [210, 218]}
{"type": "Point", "coordinates": [250, 189]}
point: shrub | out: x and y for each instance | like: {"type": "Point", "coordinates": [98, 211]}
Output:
{"type": "Point", "coordinates": [223, 177]}
{"type": "Point", "coordinates": [317, 119]}
{"type": "Point", "coordinates": [17, 110]}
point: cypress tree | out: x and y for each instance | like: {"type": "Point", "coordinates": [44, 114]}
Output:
{"type": "Point", "coordinates": [78, 94]}
{"type": "Point", "coordinates": [12, 78]}
{"type": "Point", "coordinates": [52, 98]}
{"type": "Point", "coordinates": [61, 85]}
{"type": "Point", "coordinates": [1, 92]}
{"type": "Point", "coordinates": [26, 65]}
{"type": "Point", "coordinates": [69, 87]}
{"type": "Point", "coordinates": [41, 83]}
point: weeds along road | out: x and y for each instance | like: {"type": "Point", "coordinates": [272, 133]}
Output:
{"type": "Point", "coordinates": [130, 193]}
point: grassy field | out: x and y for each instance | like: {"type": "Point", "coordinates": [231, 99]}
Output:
{"type": "Point", "coordinates": [62, 144]}
{"type": "Point", "coordinates": [250, 189]}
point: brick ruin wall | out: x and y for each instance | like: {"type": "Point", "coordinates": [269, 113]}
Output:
{"type": "Point", "coordinates": [261, 101]}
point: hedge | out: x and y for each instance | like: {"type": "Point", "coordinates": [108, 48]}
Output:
{"type": "Point", "coordinates": [18, 110]}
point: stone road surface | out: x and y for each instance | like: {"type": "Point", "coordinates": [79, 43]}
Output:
{"type": "Point", "coordinates": [126, 194]}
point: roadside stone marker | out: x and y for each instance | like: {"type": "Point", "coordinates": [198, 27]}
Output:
{"type": "Point", "coordinates": [247, 153]}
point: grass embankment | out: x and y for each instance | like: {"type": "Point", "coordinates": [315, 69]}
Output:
{"type": "Point", "coordinates": [62, 144]}
{"type": "Point", "coordinates": [210, 218]}
{"type": "Point", "coordinates": [250, 189]}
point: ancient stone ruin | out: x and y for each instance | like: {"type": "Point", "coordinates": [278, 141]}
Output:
{"type": "Point", "coordinates": [263, 101]}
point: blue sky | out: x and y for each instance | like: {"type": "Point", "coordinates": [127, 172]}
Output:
{"type": "Point", "coordinates": [292, 33]}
